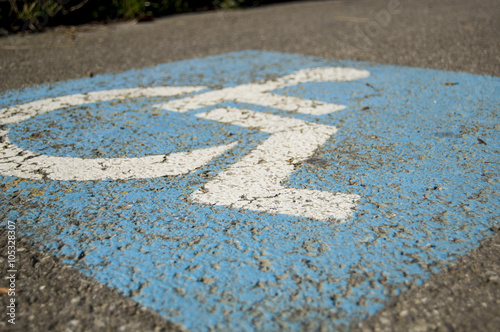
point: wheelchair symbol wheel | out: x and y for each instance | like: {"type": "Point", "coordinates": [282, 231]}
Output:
{"type": "Point", "coordinates": [253, 183]}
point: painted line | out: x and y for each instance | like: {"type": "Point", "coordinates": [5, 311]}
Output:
{"type": "Point", "coordinates": [255, 182]}
{"type": "Point", "coordinates": [258, 93]}
{"type": "Point", "coordinates": [21, 163]}
{"type": "Point", "coordinates": [415, 155]}
{"type": "Point", "coordinates": [15, 161]}
{"type": "Point", "coordinates": [23, 112]}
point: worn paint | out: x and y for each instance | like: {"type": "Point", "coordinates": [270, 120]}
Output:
{"type": "Point", "coordinates": [407, 143]}
{"type": "Point", "coordinates": [260, 93]}
{"type": "Point", "coordinates": [255, 181]}
{"type": "Point", "coordinates": [27, 164]}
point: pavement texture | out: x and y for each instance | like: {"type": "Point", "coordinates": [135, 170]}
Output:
{"type": "Point", "coordinates": [449, 35]}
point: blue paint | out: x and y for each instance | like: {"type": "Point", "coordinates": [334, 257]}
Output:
{"type": "Point", "coordinates": [128, 129]}
{"type": "Point", "coordinates": [429, 193]}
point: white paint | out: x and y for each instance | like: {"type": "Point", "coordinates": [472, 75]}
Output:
{"type": "Point", "coordinates": [23, 112]}
{"type": "Point", "coordinates": [21, 163]}
{"type": "Point", "coordinates": [255, 182]}
{"type": "Point", "coordinates": [15, 161]}
{"type": "Point", "coordinates": [258, 93]}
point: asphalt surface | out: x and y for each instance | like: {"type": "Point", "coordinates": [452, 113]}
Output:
{"type": "Point", "coordinates": [450, 35]}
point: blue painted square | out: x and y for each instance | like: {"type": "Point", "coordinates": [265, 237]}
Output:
{"type": "Point", "coordinates": [420, 147]}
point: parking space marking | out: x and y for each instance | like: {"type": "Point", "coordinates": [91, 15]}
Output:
{"type": "Point", "coordinates": [255, 181]}
{"type": "Point", "coordinates": [259, 93]}
{"type": "Point", "coordinates": [255, 190]}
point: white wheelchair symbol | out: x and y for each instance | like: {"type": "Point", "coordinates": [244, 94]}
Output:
{"type": "Point", "coordinates": [252, 183]}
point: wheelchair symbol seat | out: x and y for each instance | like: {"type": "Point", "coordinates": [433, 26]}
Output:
{"type": "Point", "coordinates": [254, 182]}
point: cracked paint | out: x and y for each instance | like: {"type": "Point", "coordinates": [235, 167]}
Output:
{"type": "Point", "coordinates": [406, 144]}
